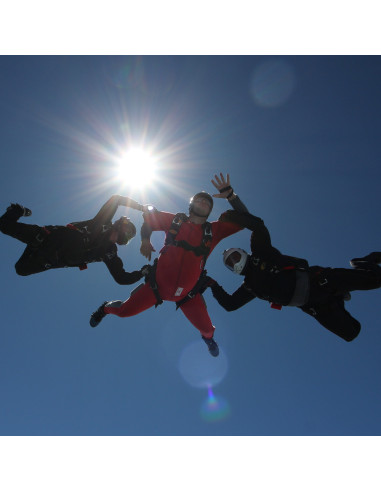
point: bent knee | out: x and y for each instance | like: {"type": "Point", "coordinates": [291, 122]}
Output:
{"type": "Point", "coordinates": [351, 332]}
{"type": "Point", "coordinates": [24, 269]}
{"type": "Point", "coordinates": [21, 270]}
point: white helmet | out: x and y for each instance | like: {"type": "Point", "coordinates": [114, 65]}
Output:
{"type": "Point", "coordinates": [235, 259]}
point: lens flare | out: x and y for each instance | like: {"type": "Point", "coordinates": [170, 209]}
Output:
{"type": "Point", "coordinates": [214, 408]}
{"type": "Point", "coordinates": [273, 83]}
{"type": "Point", "coordinates": [201, 370]}
{"type": "Point", "coordinates": [136, 168]}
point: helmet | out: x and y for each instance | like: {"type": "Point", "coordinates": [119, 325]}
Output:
{"type": "Point", "coordinates": [201, 194]}
{"type": "Point", "coordinates": [235, 259]}
{"type": "Point", "coordinates": [126, 230]}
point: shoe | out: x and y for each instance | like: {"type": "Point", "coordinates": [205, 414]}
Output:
{"type": "Point", "coordinates": [374, 257]}
{"type": "Point", "coordinates": [212, 346]}
{"type": "Point", "coordinates": [98, 315]}
{"type": "Point", "coordinates": [23, 211]}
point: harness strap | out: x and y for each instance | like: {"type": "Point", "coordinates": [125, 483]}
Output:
{"type": "Point", "coordinates": [41, 236]}
{"type": "Point", "coordinates": [153, 284]}
{"type": "Point", "coordinates": [202, 250]}
{"type": "Point", "coordinates": [195, 290]}
{"type": "Point", "coordinates": [320, 278]}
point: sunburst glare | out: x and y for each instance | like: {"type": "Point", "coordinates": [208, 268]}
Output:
{"type": "Point", "coordinates": [136, 168]}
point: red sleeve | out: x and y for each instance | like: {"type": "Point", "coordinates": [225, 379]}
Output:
{"type": "Point", "coordinates": [224, 229]}
{"type": "Point", "coordinates": [158, 221]}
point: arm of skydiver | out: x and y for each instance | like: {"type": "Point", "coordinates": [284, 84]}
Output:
{"type": "Point", "coordinates": [154, 220]}
{"type": "Point", "coordinates": [234, 301]}
{"type": "Point", "coordinates": [226, 191]}
{"type": "Point", "coordinates": [108, 210]}
{"type": "Point", "coordinates": [115, 267]}
{"type": "Point", "coordinates": [260, 238]}
{"type": "Point", "coordinates": [146, 247]}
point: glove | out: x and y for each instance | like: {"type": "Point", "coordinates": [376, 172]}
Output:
{"type": "Point", "coordinates": [146, 270]}
{"type": "Point", "coordinates": [208, 282]}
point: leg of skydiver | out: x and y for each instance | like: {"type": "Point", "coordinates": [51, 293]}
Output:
{"type": "Point", "coordinates": [15, 211]}
{"type": "Point", "coordinates": [334, 317]}
{"type": "Point", "coordinates": [196, 312]}
{"type": "Point", "coordinates": [25, 233]}
{"type": "Point", "coordinates": [32, 260]}
{"type": "Point", "coordinates": [348, 280]}
{"type": "Point", "coordinates": [328, 288]}
{"type": "Point", "coordinates": [328, 282]}
{"type": "Point", "coordinates": [141, 300]}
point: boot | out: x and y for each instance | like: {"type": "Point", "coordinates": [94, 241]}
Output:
{"type": "Point", "coordinates": [212, 346]}
{"type": "Point", "coordinates": [374, 257]}
{"type": "Point", "coordinates": [19, 210]}
{"type": "Point", "coordinates": [98, 315]}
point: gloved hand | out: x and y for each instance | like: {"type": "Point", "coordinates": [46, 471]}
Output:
{"type": "Point", "coordinates": [146, 270]}
{"type": "Point", "coordinates": [208, 282]}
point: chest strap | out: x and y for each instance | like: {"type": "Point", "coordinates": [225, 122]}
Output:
{"type": "Point", "coordinates": [202, 250]}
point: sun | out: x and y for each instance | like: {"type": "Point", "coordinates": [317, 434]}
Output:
{"type": "Point", "coordinates": [136, 168]}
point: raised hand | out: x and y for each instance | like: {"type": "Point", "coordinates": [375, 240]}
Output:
{"type": "Point", "coordinates": [222, 185]}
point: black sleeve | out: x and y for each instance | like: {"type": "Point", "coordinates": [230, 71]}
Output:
{"type": "Point", "coordinates": [115, 266]}
{"type": "Point", "coordinates": [238, 205]}
{"type": "Point", "coordinates": [108, 210]}
{"type": "Point", "coordinates": [234, 301]}
{"type": "Point", "coordinates": [260, 238]}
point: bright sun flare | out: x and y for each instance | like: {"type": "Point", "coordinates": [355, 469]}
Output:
{"type": "Point", "coordinates": [136, 168]}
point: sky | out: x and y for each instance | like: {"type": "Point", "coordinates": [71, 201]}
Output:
{"type": "Point", "coordinates": [300, 138]}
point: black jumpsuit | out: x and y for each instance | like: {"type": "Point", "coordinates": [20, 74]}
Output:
{"type": "Point", "coordinates": [74, 245]}
{"type": "Point", "coordinates": [274, 277]}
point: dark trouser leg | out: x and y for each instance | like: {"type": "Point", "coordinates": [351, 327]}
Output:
{"type": "Point", "coordinates": [327, 283]}
{"type": "Point", "coordinates": [32, 261]}
{"type": "Point", "coordinates": [26, 233]}
{"type": "Point", "coordinates": [326, 305]}
{"type": "Point", "coordinates": [347, 280]}
{"type": "Point", "coordinates": [333, 316]}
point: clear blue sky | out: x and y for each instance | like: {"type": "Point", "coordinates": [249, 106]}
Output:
{"type": "Point", "coordinates": [300, 137]}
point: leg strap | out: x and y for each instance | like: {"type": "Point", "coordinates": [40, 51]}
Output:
{"type": "Point", "coordinates": [153, 284]}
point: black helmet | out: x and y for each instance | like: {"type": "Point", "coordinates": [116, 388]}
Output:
{"type": "Point", "coordinates": [201, 194]}
{"type": "Point", "coordinates": [126, 230]}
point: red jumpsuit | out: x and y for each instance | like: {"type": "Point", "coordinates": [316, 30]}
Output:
{"type": "Point", "coordinates": [177, 271]}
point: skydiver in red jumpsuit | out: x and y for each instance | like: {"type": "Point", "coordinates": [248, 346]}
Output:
{"type": "Point", "coordinates": [181, 261]}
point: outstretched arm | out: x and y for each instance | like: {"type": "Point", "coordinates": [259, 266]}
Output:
{"type": "Point", "coordinates": [154, 220]}
{"type": "Point", "coordinates": [225, 190]}
{"type": "Point", "coordinates": [108, 210]}
{"type": "Point", "coordinates": [115, 267]}
{"type": "Point", "coordinates": [260, 238]}
{"type": "Point", "coordinates": [234, 301]}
